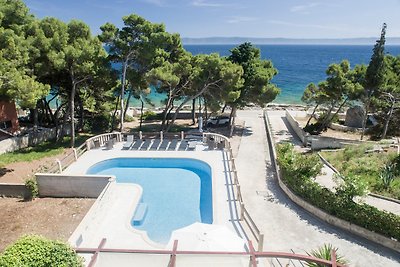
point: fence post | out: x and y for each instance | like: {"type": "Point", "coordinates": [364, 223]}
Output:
{"type": "Point", "coordinates": [161, 135]}
{"type": "Point", "coordinates": [140, 135]}
{"type": "Point", "coordinates": [182, 135]}
{"type": "Point", "coordinates": [241, 212]}
{"type": "Point", "coordinates": [87, 145]}
{"type": "Point", "coordinates": [333, 258]}
{"type": "Point", "coordinates": [260, 242]}
{"type": "Point", "coordinates": [238, 193]}
{"type": "Point", "coordinates": [75, 154]}
{"type": "Point", "coordinates": [59, 165]}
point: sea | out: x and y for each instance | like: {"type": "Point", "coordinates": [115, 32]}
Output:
{"type": "Point", "coordinates": [298, 65]}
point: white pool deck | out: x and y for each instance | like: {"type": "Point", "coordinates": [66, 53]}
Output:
{"type": "Point", "coordinates": [111, 214]}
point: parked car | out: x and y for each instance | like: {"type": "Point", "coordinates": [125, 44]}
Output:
{"type": "Point", "coordinates": [218, 121]}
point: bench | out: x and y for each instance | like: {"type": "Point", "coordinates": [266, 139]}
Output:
{"type": "Point", "coordinates": [140, 214]}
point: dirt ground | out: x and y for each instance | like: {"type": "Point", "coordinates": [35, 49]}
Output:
{"type": "Point", "coordinates": [54, 218]}
{"type": "Point", "coordinates": [18, 172]}
{"type": "Point", "coordinates": [332, 133]}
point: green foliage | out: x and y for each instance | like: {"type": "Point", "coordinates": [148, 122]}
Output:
{"type": "Point", "coordinates": [129, 118]}
{"type": "Point", "coordinates": [32, 186]}
{"type": "Point", "coordinates": [387, 175]}
{"type": "Point", "coordinates": [382, 222]}
{"type": "Point", "coordinates": [98, 123]}
{"type": "Point", "coordinates": [354, 161]}
{"type": "Point", "coordinates": [257, 75]}
{"type": "Point", "coordinates": [38, 251]}
{"type": "Point", "coordinates": [350, 186]}
{"type": "Point", "coordinates": [149, 115]}
{"type": "Point", "coordinates": [325, 252]}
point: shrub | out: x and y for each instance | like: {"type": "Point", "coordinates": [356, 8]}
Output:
{"type": "Point", "coordinates": [149, 115]}
{"type": "Point", "coordinates": [32, 186]}
{"type": "Point", "coordinates": [337, 204]}
{"type": "Point", "coordinates": [325, 252]}
{"type": "Point", "coordinates": [387, 175]}
{"type": "Point", "coordinates": [99, 123]}
{"type": "Point", "coordinates": [350, 186]}
{"type": "Point", "coordinates": [129, 118]}
{"type": "Point", "coordinates": [38, 251]}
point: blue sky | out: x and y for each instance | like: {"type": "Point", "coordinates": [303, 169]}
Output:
{"type": "Point", "coordinates": [233, 18]}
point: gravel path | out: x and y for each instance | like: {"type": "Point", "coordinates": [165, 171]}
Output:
{"type": "Point", "coordinates": [285, 225]}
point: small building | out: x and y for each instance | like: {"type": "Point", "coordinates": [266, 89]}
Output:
{"type": "Point", "coordinates": [8, 117]}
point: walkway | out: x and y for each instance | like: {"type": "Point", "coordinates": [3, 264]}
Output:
{"type": "Point", "coordinates": [283, 132]}
{"type": "Point", "coordinates": [286, 226]}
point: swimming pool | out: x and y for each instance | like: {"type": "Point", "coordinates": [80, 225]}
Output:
{"type": "Point", "coordinates": [176, 191]}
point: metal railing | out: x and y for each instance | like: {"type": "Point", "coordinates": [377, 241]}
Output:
{"type": "Point", "coordinates": [223, 143]}
{"type": "Point", "coordinates": [253, 255]}
{"type": "Point", "coordinates": [61, 164]}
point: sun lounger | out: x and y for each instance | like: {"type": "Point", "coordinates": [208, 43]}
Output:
{"type": "Point", "coordinates": [129, 142]}
{"type": "Point", "coordinates": [183, 145]}
{"type": "Point", "coordinates": [192, 145]}
{"type": "Point", "coordinates": [155, 144]}
{"type": "Point", "coordinates": [164, 144]}
{"type": "Point", "coordinates": [172, 145]}
{"type": "Point", "coordinates": [146, 145]}
{"type": "Point", "coordinates": [137, 144]}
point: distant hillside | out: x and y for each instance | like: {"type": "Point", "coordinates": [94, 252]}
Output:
{"type": "Point", "coordinates": [288, 41]}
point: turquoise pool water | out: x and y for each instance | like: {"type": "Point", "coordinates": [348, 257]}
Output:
{"type": "Point", "coordinates": [176, 192]}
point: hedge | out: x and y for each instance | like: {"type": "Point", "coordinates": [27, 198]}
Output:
{"type": "Point", "coordinates": [298, 173]}
{"type": "Point", "coordinates": [33, 250]}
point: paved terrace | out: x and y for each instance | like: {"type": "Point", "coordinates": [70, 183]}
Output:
{"type": "Point", "coordinates": [287, 227]}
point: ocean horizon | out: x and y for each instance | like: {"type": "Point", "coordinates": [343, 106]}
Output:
{"type": "Point", "coordinates": [298, 65]}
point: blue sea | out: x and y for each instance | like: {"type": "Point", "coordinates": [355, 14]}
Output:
{"type": "Point", "coordinates": [298, 65]}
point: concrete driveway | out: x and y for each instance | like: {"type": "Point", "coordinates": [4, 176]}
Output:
{"type": "Point", "coordinates": [287, 227]}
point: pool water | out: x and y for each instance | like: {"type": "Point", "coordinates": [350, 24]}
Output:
{"type": "Point", "coordinates": [177, 192]}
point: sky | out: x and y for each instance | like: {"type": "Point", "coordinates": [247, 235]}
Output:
{"type": "Point", "coordinates": [234, 18]}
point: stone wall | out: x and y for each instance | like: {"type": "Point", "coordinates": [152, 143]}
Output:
{"type": "Point", "coordinates": [31, 139]}
{"type": "Point", "coordinates": [14, 190]}
{"type": "Point", "coordinates": [303, 136]}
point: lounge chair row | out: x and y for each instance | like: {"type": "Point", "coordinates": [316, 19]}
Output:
{"type": "Point", "coordinates": [158, 144]}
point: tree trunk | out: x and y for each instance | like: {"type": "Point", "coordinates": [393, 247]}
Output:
{"type": "Point", "coordinates": [232, 121]}
{"type": "Point", "coordinates": [65, 119]}
{"type": "Point", "coordinates": [324, 122]}
{"type": "Point", "coordinates": [35, 117]}
{"type": "Point", "coordinates": [385, 128]}
{"type": "Point", "coordinates": [127, 102]}
{"type": "Point", "coordinates": [312, 115]}
{"type": "Point", "coordinates": [165, 112]}
{"type": "Point", "coordinates": [72, 112]}
{"type": "Point", "coordinates": [364, 125]}
{"type": "Point", "coordinates": [193, 111]}
{"type": "Point", "coordinates": [124, 68]}
{"type": "Point", "coordinates": [114, 115]}
{"type": "Point", "coordinates": [81, 114]}
{"type": "Point", "coordinates": [184, 103]}
{"type": "Point", "coordinates": [223, 108]}
{"type": "Point", "coordinates": [141, 112]}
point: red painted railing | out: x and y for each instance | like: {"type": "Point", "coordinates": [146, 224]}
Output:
{"type": "Point", "coordinates": [175, 252]}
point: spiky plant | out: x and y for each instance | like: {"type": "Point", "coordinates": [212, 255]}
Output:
{"type": "Point", "coordinates": [325, 252]}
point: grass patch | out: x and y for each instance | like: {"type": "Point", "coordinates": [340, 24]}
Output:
{"type": "Point", "coordinates": [43, 150]}
{"type": "Point", "coordinates": [354, 161]}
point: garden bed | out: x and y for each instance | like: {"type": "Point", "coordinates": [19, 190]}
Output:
{"type": "Point", "coordinates": [355, 160]}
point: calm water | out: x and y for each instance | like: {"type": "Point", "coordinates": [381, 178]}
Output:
{"type": "Point", "coordinates": [178, 192]}
{"type": "Point", "coordinates": [298, 65]}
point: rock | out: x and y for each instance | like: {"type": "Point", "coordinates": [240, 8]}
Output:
{"type": "Point", "coordinates": [354, 117]}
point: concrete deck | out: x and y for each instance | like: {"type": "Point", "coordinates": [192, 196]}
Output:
{"type": "Point", "coordinates": [287, 227]}
{"type": "Point", "coordinates": [111, 214]}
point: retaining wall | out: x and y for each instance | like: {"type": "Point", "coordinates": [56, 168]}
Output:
{"type": "Point", "coordinates": [303, 136]}
{"type": "Point", "coordinates": [355, 229]}
{"type": "Point", "coordinates": [59, 185]}
{"type": "Point", "coordinates": [14, 190]}
{"type": "Point", "coordinates": [317, 142]}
